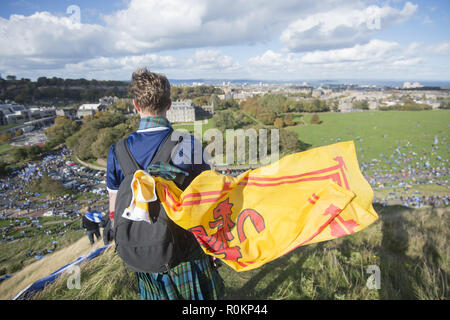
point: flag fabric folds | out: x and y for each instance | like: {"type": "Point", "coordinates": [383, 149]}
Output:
{"type": "Point", "coordinates": [249, 220]}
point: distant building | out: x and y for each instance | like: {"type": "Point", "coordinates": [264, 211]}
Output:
{"type": "Point", "coordinates": [69, 113]}
{"type": "Point", "coordinates": [208, 109]}
{"type": "Point", "coordinates": [41, 112]}
{"type": "Point", "coordinates": [89, 109]}
{"type": "Point", "coordinates": [181, 111]}
{"type": "Point", "coordinates": [408, 85]}
{"type": "Point", "coordinates": [13, 113]}
{"type": "Point", "coordinates": [317, 93]}
{"type": "Point", "coordinates": [107, 101]}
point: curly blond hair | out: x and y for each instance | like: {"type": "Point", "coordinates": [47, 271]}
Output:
{"type": "Point", "coordinates": [151, 90]}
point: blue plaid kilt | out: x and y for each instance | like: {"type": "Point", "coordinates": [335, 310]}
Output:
{"type": "Point", "coordinates": [192, 280]}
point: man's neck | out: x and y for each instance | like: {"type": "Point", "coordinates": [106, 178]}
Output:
{"type": "Point", "coordinates": [146, 114]}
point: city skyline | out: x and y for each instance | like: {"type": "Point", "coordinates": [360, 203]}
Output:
{"type": "Point", "coordinates": [200, 39]}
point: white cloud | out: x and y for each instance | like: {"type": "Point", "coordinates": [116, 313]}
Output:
{"type": "Point", "coordinates": [211, 60]}
{"type": "Point", "coordinates": [203, 60]}
{"type": "Point", "coordinates": [146, 26]}
{"type": "Point", "coordinates": [45, 35]}
{"type": "Point", "coordinates": [129, 63]}
{"type": "Point", "coordinates": [318, 37]}
{"type": "Point", "coordinates": [442, 48]}
{"type": "Point", "coordinates": [407, 62]}
{"type": "Point", "coordinates": [372, 59]}
{"type": "Point", "coordinates": [375, 50]}
{"type": "Point", "coordinates": [175, 24]}
{"type": "Point", "coordinates": [341, 27]}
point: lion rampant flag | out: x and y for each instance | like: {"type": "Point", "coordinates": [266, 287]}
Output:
{"type": "Point", "coordinates": [262, 214]}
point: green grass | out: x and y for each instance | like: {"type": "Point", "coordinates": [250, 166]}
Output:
{"type": "Point", "coordinates": [5, 156]}
{"type": "Point", "coordinates": [381, 132]}
{"type": "Point", "coordinates": [9, 126]}
{"type": "Point", "coordinates": [408, 245]}
{"type": "Point", "coordinates": [13, 255]}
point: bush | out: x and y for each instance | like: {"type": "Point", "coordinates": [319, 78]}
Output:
{"type": "Point", "coordinates": [6, 136]}
{"type": "Point", "coordinates": [3, 168]}
{"type": "Point", "coordinates": [62, 129]}
{"type": "Point", "coordinates": [278, 123]}
{"type": "Point", "coordinates": [19, 154]}
{"type": "Point", "coordinates": [364, 105]}
{"type": "Point", "coordinates": [289, 120]}
{"type": "Point", "coordinates": [224, 120]}
{"type": "Point", "coordinates": [290, 143]}
{"type": "Point", "coordinates": [315, 119]}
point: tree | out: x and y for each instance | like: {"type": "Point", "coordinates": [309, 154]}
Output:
{"type": "Point", "coordinates": [106, 138]}
{"type": "Point", "coordinates": [201, 101]}
{"type": "Point", "coordinates": [228, 104]}
{"type": "Point", "coordinates": [315, 119]}
{"type": "Point", "coordinates": [83, 148]}
{"type": "Point", "coordinates": [290, 143]}
{"type": "Point", "coordinates": [224, 120]}
{"type": "Point", "coordinates": [363, 105]}
{"type": "Point", "coordinates": [274, 102]}
{"type": "Point", "coordinates": [278, 123]}
{"type": "Point", "coordinates": [123, 106]}
{"type": "Point", "coordinates": [62, 129]}
{"type": "Point", "coordinates": [289, 120]}
{"type": "Point", "coordinates": [267, 118]}
{"type": "Point", "coordinates": [214, 100]}
{"type": "Point", "coordinates": [42, 81]}
{"type": "Point", "coordinates": [5, 136]}
{"type": "Point", "coordinates": [19, 154]}
{"type": "Point", "coordinates": [3, 168]}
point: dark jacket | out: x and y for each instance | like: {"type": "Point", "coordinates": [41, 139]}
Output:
{"type": "Point", "coordinates": [89, 225]}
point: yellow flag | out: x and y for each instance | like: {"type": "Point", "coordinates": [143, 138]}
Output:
{"type": "Point", "coordinates": [249, 220]}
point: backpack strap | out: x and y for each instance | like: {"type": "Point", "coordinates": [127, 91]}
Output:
{"type": "Point", "coordinates": [126, 160]}
{"type": "Point", "coordinates": [167, 148]}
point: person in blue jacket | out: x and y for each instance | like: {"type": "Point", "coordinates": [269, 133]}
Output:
{"type": "Point", "coordinates": [196, 279]}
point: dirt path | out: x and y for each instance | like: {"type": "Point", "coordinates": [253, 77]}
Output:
{"type": "Point", "coordinates": [9, 288]}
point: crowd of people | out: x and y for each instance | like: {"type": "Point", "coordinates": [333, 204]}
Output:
{"type": "Point", "coordinates": [400, 171]}
{"type": "Point", "coordinates": [405, 169]}
{"type": "Point", "coordinates": [16, 199]}
{"type": "Point", "coordinates": [26, 210]}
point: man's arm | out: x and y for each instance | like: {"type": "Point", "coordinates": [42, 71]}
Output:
{"type": "Point", "coordinates": [112, 203]}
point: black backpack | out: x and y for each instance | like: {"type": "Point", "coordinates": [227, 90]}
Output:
{"type": "Point", "coordinates": [149, 247]}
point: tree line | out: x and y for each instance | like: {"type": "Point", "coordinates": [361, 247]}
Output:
{"type": "Point", "coordinates": [52, 90]}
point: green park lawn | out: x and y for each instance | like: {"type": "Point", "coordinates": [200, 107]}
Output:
{"type": "Point", "coordinates": [381, 132]}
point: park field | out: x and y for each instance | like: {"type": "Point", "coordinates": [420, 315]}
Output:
{"type": "Point", "coordinates": [378, 133]}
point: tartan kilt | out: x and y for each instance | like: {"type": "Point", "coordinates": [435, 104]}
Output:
{"type": "Point", "coordinates": [192, 280]}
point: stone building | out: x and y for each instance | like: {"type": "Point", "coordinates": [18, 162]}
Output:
{"type": "Point", "coordinates": [181, 111]}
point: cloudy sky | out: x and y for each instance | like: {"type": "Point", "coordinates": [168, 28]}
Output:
{"type": "Point", "coordinates": [231, 39]}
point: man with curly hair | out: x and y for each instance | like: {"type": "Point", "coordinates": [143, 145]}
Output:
{"type": "Point", "coordinates": [197, 278]}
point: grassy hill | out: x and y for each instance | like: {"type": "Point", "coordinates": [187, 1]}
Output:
{"type": "Point", "coordinates": [376, 133]}
{"type": "Point", "coordinates": [408, 245]}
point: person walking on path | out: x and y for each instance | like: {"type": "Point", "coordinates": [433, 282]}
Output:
{"type": "Point", "coordinates": [92, 228]}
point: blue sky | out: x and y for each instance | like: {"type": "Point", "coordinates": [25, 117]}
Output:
{"type": "Point", "coordinates": [241, 39]}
